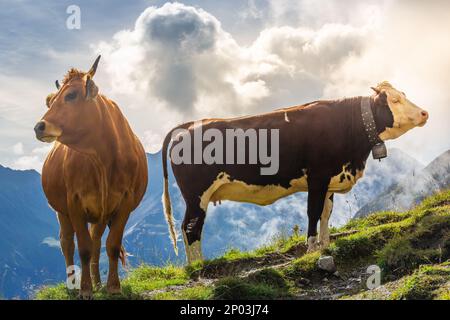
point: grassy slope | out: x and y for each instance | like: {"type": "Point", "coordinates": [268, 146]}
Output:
{"type": "Point", "coordinates": [411, 248]}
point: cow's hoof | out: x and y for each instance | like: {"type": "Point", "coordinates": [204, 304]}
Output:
{"type": "Point", "coordinates": [324, 245]}
{"type": "Point", "coordinates": [313, 244]}
{"type": "Point", "coordinates": [85, 295]}
{"type": "Point", "coordinates": [114, 290]}
{"type": "Point", "coordinates": [194, 252]}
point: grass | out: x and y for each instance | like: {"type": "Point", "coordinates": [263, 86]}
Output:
{"type": "Point", "coordinates": [425, 284]}
{"type": "Point", "coordinates": [139, 280]}
{"type": "Point", "coordinates": [410, 246]}
{"type": "Point", "coordinates": [199, 292]}
{"type": "Point", "coordinates": [428, 243]}
{"type": "Point", "coordinates": [303, 267]}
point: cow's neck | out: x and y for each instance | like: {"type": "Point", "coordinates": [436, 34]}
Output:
{"type": "Point", "coordinates": [114, 138]}
{"type": "Point", "coordinates": [360, 145]}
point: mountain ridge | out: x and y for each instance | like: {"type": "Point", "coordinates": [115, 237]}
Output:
{"type": "Point", "coordinates": [411, 190]}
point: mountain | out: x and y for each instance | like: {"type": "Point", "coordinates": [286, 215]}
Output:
{"type": "Point", "coordinates": [29, 255]}
{"type": "Point", "coordinates": [413, 188]}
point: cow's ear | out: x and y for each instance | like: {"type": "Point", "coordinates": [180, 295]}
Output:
{"type": "Point", "coordinates": [49, 99]}
{"type": "Point", "coordinates": [91, 88]}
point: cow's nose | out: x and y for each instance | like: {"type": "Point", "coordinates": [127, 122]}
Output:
{"type": "Point", "coordinates": [424, 114]}
{"type": "Point", "coordinates": [39, 127]}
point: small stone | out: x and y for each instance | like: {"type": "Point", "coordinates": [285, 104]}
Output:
{"type": "Point", "coordinates": [302, 282]}
{"type": "Point", "coordinates": [326, 263]}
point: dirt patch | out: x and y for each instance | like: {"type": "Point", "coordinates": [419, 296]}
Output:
{"type": "Point", "coordinates": [333, 286]}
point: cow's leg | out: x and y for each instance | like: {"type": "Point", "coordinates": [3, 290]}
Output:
{"type": "Point", "coordinates": [85, 251]}
{"type": "Point", "coordinates": [113, 248]}
{"type": "Point", "coordinates": [192, 231]}
{"type": "Point", "coordinates": [96, 232]}
{"type": "Point", "coordinates": [66, 239]}
{"type": "Point", "coordinates": [324, 232]}
{"type": "Point", "coordinates": [317, 190]}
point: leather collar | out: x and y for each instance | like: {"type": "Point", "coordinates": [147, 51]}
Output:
{"type": "Point", "coordinates": [378, 147]}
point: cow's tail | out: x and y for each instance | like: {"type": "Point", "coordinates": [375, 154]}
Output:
{"type": "Point", "coordinates": [123, 256]}
{"type": "Point", "coordinates": [166, 196]}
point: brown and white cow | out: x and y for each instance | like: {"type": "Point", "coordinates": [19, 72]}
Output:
{"type": "Point", "coordinates": [323, 148]}
{"type": "Point", "coordinates": [95, 174]}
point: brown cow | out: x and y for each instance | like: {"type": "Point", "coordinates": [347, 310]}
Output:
{"type": "Point", "coordinates": [323, 147]}
{"type": "Point", "coordinates": [95, 174]}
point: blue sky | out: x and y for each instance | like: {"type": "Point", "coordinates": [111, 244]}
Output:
{"type": "Point", "coordinates": [260, 55]}
{"type": "Point", "coordinates": [33, 27]}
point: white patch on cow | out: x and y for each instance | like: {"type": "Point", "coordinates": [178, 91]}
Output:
{"type": "Point", "coordinates": [347, 183]}
{"type": "Point", "coordinates": [286, 117]}
{"type": "Point", "coordinates": [224, 189]}
{"type": "Point", "coordinates": [324, 231]}
{"type": "Point", "coordinates": [313, 244]}
{"type": "Point", "coordinates": [222, 178]}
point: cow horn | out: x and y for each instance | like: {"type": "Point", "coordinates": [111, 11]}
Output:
{"type": "Point", "coordinates": [93, 69]}
{"type": "Point", "coordinates": [57, 84]}
{"type": "Point", "coordinates": [377, 91]}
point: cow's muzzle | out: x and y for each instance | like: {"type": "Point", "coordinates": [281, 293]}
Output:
{"type": "Point", "coordinates": [424, 118]}
{"type": "Point", "coordinates": [46, 132]}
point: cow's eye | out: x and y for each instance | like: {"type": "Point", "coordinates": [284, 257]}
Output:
{"type": "Point", "coordinates": [71, 96]}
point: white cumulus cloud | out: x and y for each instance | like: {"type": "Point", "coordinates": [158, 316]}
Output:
{"type": "Point", "coordinates": [180, 63]}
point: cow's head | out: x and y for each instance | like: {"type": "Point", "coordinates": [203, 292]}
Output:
{"type": "Point", "coordinates": [72, 112]}
{"type": "Point", "coordinates": [406, 114]}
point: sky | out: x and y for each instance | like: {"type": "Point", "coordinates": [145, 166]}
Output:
{"type": "Point", "coordinates": [167, 63]}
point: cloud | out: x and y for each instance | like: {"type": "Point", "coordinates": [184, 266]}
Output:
{"type": "Point", "coordinates": [152, 141]}
{"type": "Point", "coordinates": [178, 61]}
{"type": "Point", "coordinates": [28, 162]}
{"type": "Point", "coordinates": [18, 148]}
{"type": "Point", "coordinates": [32, 160]}
{"type": "Point", "coordinates": [51, 242]}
